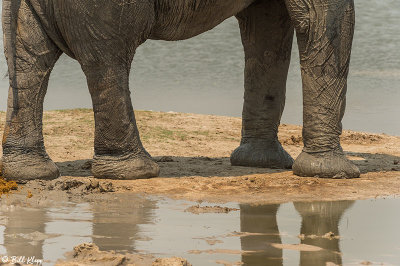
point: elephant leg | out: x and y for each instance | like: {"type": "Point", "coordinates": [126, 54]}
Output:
{"type": "Point", "coordinates": [261, 223]}
{"type": "Point", "coordinates": [105, 48]}
{"type": "Point", "coordinates": [119, 153]}
{"type": "Point", "coordinates": [31, 56]}
{"type": "Point", "coordinates": [267, 36]}
{"type": "Point", "coordinates": [324, 31]}
{"type": "Point", "coordinates": [318, 219]}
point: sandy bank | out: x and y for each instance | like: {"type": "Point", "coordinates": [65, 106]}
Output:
{"type": "Point", "coordinates": [193, 152]}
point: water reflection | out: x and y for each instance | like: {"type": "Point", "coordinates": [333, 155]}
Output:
{"type": "Point", "coordinates": [127, 223]}
{"type": "Point", "coordinates": [24, 232]}
{"type": "Point", "coordinates": [261, 224]}
{"type": "Point", "coordinates": [112, 224]}
{"type": "Point", "coordinates": [318, 219]}
{"type": "Point", "coordinates": [116, 222]}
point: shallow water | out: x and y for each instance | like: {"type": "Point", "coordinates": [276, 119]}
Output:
{"type": "Point", "coordinates": [368, 231]}
{"type": "Point", "coordinates": [205, 74]}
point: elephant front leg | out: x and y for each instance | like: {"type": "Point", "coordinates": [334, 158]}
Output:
{"type": "Point", "coordinates": [119, 153]}
{"type": "Point", "coordinates": [31, 56]}
{"type": "Point", "coordinates": [267, 36]}
{"type": "Point", "coordinates": [324, 32]}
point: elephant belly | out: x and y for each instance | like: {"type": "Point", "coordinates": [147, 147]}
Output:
{"type": "Point", "coordinates": [87, 27]}
{"type": "Point", "coordinates": [183, 19]}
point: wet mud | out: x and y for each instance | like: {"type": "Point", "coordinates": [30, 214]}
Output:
{"type": "Point", "coordinates": [90, 254]}
{"type": "Point", "coordinates": [200, 208]}
{"type": "Point", "coordinates": [193, 153]}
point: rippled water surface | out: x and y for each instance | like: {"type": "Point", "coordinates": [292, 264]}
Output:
{"type": "Point", "coordinates": [278, 234]}
{"type": "Point", "coordinates": [205, 74]}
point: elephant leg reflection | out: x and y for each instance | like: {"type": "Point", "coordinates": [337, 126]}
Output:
{"type": "Point", "coordinates": [22, 233]}
{"type": "Point", "coordinates": [116, 222]}
{"type": "Point", "coordinates": [319, 218]}
{"type": "Point", "coordinates": [261, 222]}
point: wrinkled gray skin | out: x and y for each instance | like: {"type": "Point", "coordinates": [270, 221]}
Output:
{"type": "Point", "coordinates": [102, 35]}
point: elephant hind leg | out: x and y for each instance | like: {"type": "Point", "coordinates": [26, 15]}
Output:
{"type": "Point", "coordinates": [267, 36]}
{"type": "Point", "coordinates": [105, 50]}
{"type": "Point", "coordinates": [119, 153]}
{"type": "Point", "coordinates": [324, 32]}
{"type": "Point", "coordinates": [31, 56]}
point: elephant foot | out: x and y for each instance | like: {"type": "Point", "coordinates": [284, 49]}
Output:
{"type": "Point", "coordinates": [128, 167]}
{"type": "Point", "coordinates": [28, 166]}
{"type": "Point", "coordinates": [332, 164]}
{"type": "Point", "coordinates": [261, 153]}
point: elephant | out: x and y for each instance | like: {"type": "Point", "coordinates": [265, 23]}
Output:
{"type": "Point", "coordinates": [260, 221]}
{"type": "Point", "coordinates": [318, 219]}
{"type": "Point", "coordinates": [103, 35]}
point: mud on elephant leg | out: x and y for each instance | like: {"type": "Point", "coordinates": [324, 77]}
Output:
{"type": "Point", "coordinates": [119, 153]}
{"type": "Point", "coordinates": [324, 31]}
{"type": "Point", "coordinates": [31, 57]}
{"type": "Point", "coordinates": [267, 36]}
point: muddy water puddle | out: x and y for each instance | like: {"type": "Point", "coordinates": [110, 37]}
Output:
{"type": "Point", "coordinates": [317, 233]}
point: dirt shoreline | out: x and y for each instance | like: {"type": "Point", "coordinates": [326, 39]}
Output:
{"type": "Point", "coordinates": [193, 152]}
{"type": "Point", "coordinates": [89, 254]}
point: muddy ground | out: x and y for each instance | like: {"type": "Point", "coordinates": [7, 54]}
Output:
{"type": "Point", "coordinates": [89, 254]}
{"type": "Point", "coordinates": [193, 152]}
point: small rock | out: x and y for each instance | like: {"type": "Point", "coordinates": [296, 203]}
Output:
{"type": "Point", "coordinates": [205, 158]}
{"type": "Point", "coordinates": [69, 184]}
{"type": "Point", "coordinates": [93, 184]}
{"type": "Point", "coordinates": [106, 187]}
{"type": "Point", "coordinates": [126, 188]}
{"type": "Point", "coordinates": [366, 263]}
{"type": "Point", "coordinates": [84, 248]}
{"type": "Point", "coordinates": [165, 159]}
{"type": "Point", "coordinates": [330, 235]}
{"type": "Point", "coordinates": [209, 209]}
{"type": "Point", "coordinates": [87, 165]}
{"type": "Point", "coordinates": [175, 261]}
{"type": "Point", "coordinates": [396, 162]}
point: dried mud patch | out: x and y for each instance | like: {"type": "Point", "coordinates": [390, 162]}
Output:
{"type": "Point", "coordinates": [209, 209]}
{"type": "Point", "coordinates": [89, 254]}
